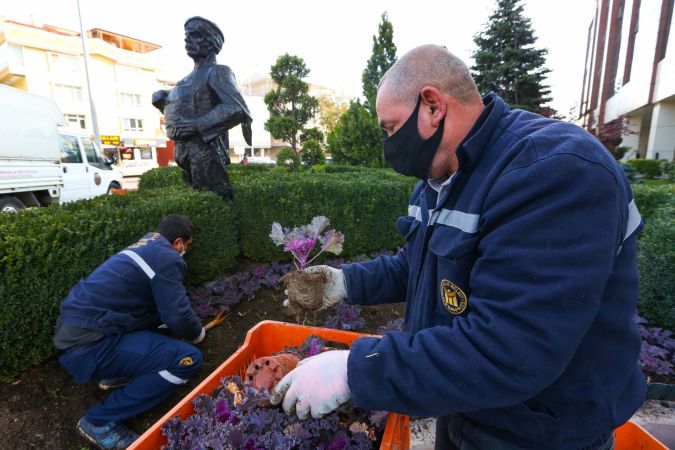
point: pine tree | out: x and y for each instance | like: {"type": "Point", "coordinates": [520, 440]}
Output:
{"type": "Point", "coordinates": [357, 138]}
{"type": "Point", "coordinates": [507, 61]}
{"type": "Point", "coordinates": [290, 104]}
{"type": "Point", "coordinates": [383, 57]}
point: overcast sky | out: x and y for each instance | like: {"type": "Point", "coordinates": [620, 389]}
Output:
{"type": "Point", "coordinates": [334, 38]}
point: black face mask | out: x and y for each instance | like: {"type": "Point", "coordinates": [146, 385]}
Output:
{"type": "Point", "coordinates": [407, 153]}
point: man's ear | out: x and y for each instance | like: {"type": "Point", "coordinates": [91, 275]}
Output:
{"type": "Point", "coordinates": [433, 102]}
{"type": "Point", "coordinates": [177, 243]}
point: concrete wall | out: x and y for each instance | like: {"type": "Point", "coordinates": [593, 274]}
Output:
{"type": "Point", "coordinates": [662, 132]}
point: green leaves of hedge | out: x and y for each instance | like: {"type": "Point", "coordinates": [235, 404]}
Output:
{"type": "Point", "coordinates": [656, 253]}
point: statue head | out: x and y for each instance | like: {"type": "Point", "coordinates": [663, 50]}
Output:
{"type": "Point", "coordinates": [202, 38]}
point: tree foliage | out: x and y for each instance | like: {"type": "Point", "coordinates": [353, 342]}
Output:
{"type": "Point", "coordinates": [290, 104]}
{"type": "Point", "coordinates": [357, 138]}
{"type": "Point", "coordinates": [506, 60]}
{"type": "Point", "coordinates": [330, 110]}
{"type": "Point", "coordinates": [382, 58]}
{"type": "Point", "coordinates": [312, 153]}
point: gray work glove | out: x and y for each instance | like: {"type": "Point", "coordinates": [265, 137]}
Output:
{"type": "Point", "coordinates": [335, 287]}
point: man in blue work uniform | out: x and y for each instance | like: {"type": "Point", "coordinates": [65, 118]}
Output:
{"type": "Point", "coordinates": [107, 331]}
{"type": "Point", "coordinates": [519, 275]}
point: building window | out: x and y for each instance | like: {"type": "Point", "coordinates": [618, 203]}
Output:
{"type": "Point", "coordinates": [15, 54]}
{"type": "Point", "coordinates": [634, 28]}
{"type": "Point", "coordinates": [615, 50]}
{"type": "Point", "coordinates": [65, 63]}
{"type": "Point", "coordinates": [76, 120]}
{"type": "Point", "coordinates": [132, 124]}
{"type": "Point", "coordinates": [67, 93]}
{"type": "Point", "coordinates": [130, 100]}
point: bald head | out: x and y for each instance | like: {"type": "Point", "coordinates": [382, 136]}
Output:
{"type": "Point", "coordinates": [429, 65]}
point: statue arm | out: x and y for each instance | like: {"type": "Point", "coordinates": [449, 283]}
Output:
{"type": "Point", "coordinates": [231, 110]}
{"type": "Point", "coordinates": [159, 99]}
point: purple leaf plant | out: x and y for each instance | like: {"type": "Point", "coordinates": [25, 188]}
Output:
{"type": "Point", "coordinates": [236, 416]}
{"type": "Point", "coordinates": [347, 317]}
{"type": "Point", "coordinates": [657, 354]}
{"type": "Point", "coordinates": [301, 241]}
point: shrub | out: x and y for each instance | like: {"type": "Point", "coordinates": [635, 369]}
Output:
{"type": "Point", "coordinates": [288, 157]}
{"type": "Point", "coordinates": [312, 153]}
{"type": "Point", "coordinates": [656, 262]}
{"type": "Point", "coordinates": [650, 198]}
{"type": "Point", "coordinates": [172, 176]}
{"type": "Point", "coordinates": [161, 177]}
{"type": "Point", "coordinates": [44, 252]}
{"type": "Point", "coordinates": [634, 177]}
{"type": "Point", "coordinates": [363, 206]}
{"type": "Point", "coordinates": [649, 168]}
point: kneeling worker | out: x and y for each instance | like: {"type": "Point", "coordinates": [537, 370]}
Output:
{"type": "Point", "coordinates": [105, 331]}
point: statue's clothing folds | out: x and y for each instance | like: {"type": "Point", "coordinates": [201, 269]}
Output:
{"type": "Point", "coordinates": [209, 96]}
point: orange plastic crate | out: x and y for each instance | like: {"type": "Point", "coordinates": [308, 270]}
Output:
{"type": "Point", "coordinates": [266, 338]}
{"type": "Point", "coordinates": [631, 436]}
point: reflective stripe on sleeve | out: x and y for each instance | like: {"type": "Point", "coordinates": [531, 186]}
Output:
{"type": "Point", "coordinates": [415, 212]}
{"type": "Point", "coordinates": [634, 219]}
{"type": "Point", "coordinates": [173, 379]}
{"type": "Point", "coordinates": [140, 262]}
{"type": "Point", "coordinates": [458, 219]}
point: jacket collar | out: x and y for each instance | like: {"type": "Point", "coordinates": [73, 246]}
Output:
{"type": "Point", "coordinates": [470, 149]}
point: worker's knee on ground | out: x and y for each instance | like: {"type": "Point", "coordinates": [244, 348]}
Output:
{"type": "Point", "coordinates": [188, 362]}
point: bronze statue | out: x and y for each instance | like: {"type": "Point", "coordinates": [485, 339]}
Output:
{"type": "Point", "coordinates": [201, 108]}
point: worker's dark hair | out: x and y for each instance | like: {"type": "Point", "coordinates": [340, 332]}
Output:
{"type": "Point", "coordinates": [176, 226]}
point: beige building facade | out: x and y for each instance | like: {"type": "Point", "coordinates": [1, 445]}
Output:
{"type": "Point", "coordinates": [48, 61]}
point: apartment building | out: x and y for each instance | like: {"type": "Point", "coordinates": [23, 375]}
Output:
{"type": "Point", "coordinates": [630, 73]}
{"type": "Point", "coordinates": [48, 61]}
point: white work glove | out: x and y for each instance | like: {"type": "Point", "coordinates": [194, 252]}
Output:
{"type": "Point", "coordinates": [317, 386]}
{"type": "Point", "coordinates": [335, 287]}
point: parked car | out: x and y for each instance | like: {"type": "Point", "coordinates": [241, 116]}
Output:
{"type": "Point", "coordinates": [261, 160]}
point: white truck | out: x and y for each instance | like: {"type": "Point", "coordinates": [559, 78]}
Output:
{"type": "Point", "coordinates": [42, 162]}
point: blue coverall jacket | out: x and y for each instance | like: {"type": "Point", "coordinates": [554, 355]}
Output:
{"type": "Point", "coordinates": [137, 289]}
{"type": "Point", "coordinates": [520, 283]}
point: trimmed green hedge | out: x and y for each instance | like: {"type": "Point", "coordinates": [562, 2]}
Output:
{"type": "Point", "coordinates": [361, 203]}
{"type": "Point", "coordinates": [651, 198]}
{"type": "Point", "coordinates": [44, 252]}
{"type": "Point", "coordinates": [656, 253]}
{"type": "Point", "coordinates": [650, 168]}
{"type": "Point", "coordinates": [656, 262]}
{"type": "Point", "coordinates": [362, 206]}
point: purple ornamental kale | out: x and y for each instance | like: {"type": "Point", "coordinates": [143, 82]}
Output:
{"type": "Point", "coordinates": [301, 241]}
{"type": "Point", "coordinates": [312, 346]}
{"type": "Point", "coordinates": [347, 317]}
{"type": "Point", "coordinates": [224, 413]}
{"type": "Point", "coordinates": [657, 353]}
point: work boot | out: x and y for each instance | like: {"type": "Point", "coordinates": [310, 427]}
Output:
{"type": "Point", "coordinates": [107, 384]}
{"type": "Point", "coordinates": [111, 436]}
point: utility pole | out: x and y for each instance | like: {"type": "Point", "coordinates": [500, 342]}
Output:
{"type": "Point", "coordinates": [94, 119]}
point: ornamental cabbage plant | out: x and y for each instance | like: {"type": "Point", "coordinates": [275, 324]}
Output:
{"type": "Point", "coordinates": [302, 241]}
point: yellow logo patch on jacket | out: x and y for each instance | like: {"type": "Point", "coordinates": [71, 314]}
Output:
{"type": "Point", "coordinates": [187, 361]}
{"type": "Point", "coordinates": [454, 299]}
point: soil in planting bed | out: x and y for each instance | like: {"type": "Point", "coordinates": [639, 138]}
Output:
{"type": "Point", "coordinates": [41, 408]}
